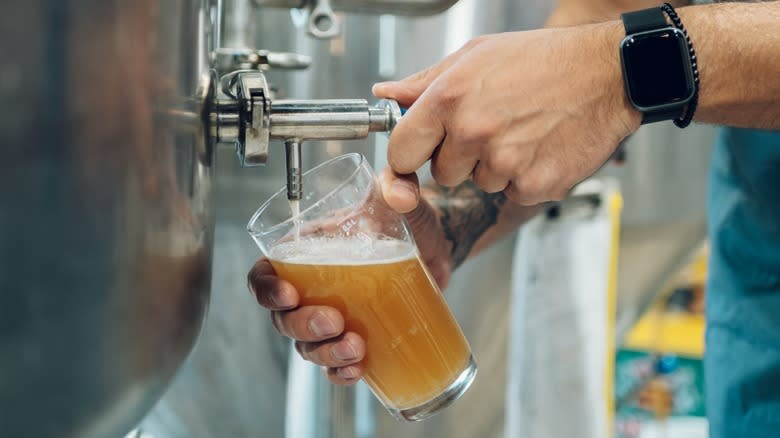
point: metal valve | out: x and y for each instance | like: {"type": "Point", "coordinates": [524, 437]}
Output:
{"type": "Point", "coordinates": [248, 116]}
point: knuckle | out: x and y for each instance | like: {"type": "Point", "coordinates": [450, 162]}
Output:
{"type": "Point", "coordinates": [422, 75]}
{"type": "Point", "coordinates": [319, 355]}
{"type": "Point", "coordinates": [501, 161]}
{"type": "Point", "coordinates": [447, 93]}
{"type": "Point", "coordinates": [443, 174]}
{"type": "Point", "coordinates": [485, 181]}
{"type": "Point", "coordinates": [310, 351]}
{"type": "Point", "coordinates": [479, 132]}
{"type": "Point", "coordinates": [291, 323]}
{"type": "Point", "coordinates": [330, 353]}
{"type": "Point", "coordinates": [474, 42]}
{"type": "Point", "coordinates": [512, 194]}
{"type": "Point", "coordinates": [560, 195]}
{"type": "Point", "coordinates": [525, 189]}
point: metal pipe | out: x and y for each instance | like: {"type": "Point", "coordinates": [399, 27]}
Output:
{"type": "Point", "coordinates": [294, 180]}
{"type": "Point", "coordinates": [224, 121]}
{"type": "Point", "coordinates": [237, 24]}
{"type": "Point", "coordinates": [341, 119]}
{"type": "Point", "coordinates": [330, 119]}
{"type": "Point", "coordinates": [398, 7]}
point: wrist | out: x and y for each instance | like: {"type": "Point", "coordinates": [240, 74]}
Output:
{"type": "Point", "coordinates": [609, 36]}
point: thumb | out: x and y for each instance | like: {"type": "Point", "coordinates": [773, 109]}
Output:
{"type": "Point", "coordinates": [402, 194]}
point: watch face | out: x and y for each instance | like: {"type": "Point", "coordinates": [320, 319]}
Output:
{"type": "Point", "coordinates": [658, 68]}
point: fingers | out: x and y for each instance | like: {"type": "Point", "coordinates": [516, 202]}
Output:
{"type": "Point", "coordinates": [342, 351]}
{"type": "Point", "coordinates": [422, 129]}
{"type": "Point", "coordinates": [488, 180]}
{"type": "Point", "coordinates": [401, 192]}
{"type": "Point", "coordinates": [408, 90]}
{"type": "Point", "coordinates": [415, 137]}
{"type": "Point", "coordinates": [309, 323]}
{"type": "Point", "coordinates": [270, 291]}
{"type": "Point", "coordinates": [453, 162]}
{"type": "Point", "coordinates": [318, 330]}
{"type": "Point", "coordinates": [344, 375]}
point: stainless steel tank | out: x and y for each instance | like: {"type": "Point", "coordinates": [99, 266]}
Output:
{"type": "Point", "coordinates": [106, 224]}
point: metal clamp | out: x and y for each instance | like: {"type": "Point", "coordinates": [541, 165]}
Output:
{"type": "Point", "coordinates": [254, 119]}
{"type": "Point", "coordinates": [242, 116]}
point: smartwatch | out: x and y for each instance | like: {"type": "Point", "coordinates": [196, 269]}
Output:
{"type": "Point", "coordinates": [656, 65]}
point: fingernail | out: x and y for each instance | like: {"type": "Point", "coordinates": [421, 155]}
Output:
{"type": "Point", "coordinates": [322, 326]}
{"type": "Point", "coordinates": [344, 351]}
{"type": "Point", "coordinates": [401, 188]}
{"type": "Point", "coordinates": [347, 372]}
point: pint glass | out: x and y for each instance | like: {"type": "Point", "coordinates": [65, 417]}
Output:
{"type": "Point", "coordinates": [347, 249]}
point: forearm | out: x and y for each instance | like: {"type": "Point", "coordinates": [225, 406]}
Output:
{"type": "Point", "coordinates": [738, 51]}
{"type": "Point", "coordinates": [573, 12]}
{"type": "Point", "coordinates": [473, 220]}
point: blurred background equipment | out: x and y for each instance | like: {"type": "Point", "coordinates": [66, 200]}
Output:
{"type": "Point", "coordinates": [562, 337]}
{"type": "Point", "coordinates": [659, 381]}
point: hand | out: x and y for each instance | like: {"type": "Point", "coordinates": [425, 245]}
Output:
{"type": "Point", "coordinates": [527, 113]}
{"type": "Point", "coordinates": [318, 331]}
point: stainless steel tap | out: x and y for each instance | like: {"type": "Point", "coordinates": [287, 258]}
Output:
{"type": "Point", "coordinates": [246, 115]}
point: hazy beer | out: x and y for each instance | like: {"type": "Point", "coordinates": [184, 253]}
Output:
{"type": "Point", "coordinates": [415, 349]}
{"type": "Point", "coordinates": [346, 248]}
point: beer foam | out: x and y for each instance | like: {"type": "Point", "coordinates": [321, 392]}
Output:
{"type": "Point", "coordinates": [343, 251]}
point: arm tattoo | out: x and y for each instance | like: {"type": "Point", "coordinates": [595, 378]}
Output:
{"type": "Point", "coordinates": [466, 213]}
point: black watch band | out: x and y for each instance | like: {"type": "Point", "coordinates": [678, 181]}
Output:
{"type": "Point", "coordinates": [643, 21]}
{"type": "Point", "coordinates": [661, 115]}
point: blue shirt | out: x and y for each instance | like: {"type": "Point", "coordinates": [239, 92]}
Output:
{"type": "Point", "coordinates": [742, 361]}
